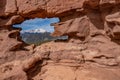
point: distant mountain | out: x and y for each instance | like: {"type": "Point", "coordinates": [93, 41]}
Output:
{"type": "Point", "coordinates": [34, 31]}
{"type": "Point", "coordinates": [37, 36]}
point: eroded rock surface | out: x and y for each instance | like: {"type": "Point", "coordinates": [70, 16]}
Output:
{"type": "Point", "coordinates": [92, 51]}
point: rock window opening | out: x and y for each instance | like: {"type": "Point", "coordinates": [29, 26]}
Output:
{"type": "Point", "coordinates": [37, 31]}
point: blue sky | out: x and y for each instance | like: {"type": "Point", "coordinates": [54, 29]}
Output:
{"type": "Point", "coordinates": [38, 23]}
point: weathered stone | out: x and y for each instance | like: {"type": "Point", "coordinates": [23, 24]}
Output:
{"type": "Point", "coordinates": [93, 30]}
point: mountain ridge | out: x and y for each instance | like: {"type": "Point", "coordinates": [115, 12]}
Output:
{"type": "Point", "coordinates": [39, 37]}
{"type": "Point", "coordinates": [40, 30]}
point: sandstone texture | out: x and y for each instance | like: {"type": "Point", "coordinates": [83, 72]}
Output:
{"type": "Point", "coordinates": [92, 51]}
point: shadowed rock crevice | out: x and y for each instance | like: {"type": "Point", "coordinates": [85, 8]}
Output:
{"type": "Point", "coordinates": [2, 7]}
{"type": "Point", "coordinates": [34, 70]}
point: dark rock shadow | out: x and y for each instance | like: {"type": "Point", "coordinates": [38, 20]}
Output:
{"type": "Point", "coordinates": [34, 70]}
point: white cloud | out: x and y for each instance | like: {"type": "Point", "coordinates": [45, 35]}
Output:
{"type": "Point", "coordinates": [38, 23]}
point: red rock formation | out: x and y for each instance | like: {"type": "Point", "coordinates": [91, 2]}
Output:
{"type": "Point", "coordinates": [92, 51]}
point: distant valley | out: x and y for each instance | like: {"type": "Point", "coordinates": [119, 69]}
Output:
{"type": "Point", "coordinates": [38, 37]}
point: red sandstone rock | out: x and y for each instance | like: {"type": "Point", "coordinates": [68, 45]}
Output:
{"type": "Point", "coordinates": [92, 51]}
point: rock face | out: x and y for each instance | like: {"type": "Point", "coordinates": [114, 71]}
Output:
{"type": "Point", "coordinates": [92, 51]}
